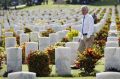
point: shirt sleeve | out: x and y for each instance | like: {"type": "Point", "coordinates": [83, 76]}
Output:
{"type": "Point", "coordinates": [91, 26]}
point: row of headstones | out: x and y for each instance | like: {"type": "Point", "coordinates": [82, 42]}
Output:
{"type": "Point", "coordinates": [64, 57]}
{"type": "Point", "coordinates": [111, 53]}
{"type": "Point", "coordinates": [13, 52]}
{"type": "Point", "coordinates": [102, 22]}
{"type": "Point", "coordinates": [33, 26]}
{"type": "Point", "coordinates": [36, 29]}
{"type": "Point", "coordinates": [42, 28]}
{"type": "Point", "coordinates": [10, 41]}
{"type": "Point", "coordinates": [23, 20]}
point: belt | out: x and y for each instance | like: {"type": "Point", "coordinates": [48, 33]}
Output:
{"type": "Point", "coordinates": [84, 34]}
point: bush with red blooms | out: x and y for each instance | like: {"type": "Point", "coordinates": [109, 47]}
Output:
{"type": "Point", "coordinates": [88, 59]}
{"type": "Point", "coordinates": [51, 52]}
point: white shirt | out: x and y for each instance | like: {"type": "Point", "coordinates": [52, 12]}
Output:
{"type": "Point", "coordinates": [88, 25]}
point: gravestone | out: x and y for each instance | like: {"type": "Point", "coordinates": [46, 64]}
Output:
{"type": "Point", "coordinates": [76, 39]}
{"type": "Point", "coordinates": [14, 59]}
{"type": "Point", "coordinates": [108, 75]}
{"type": "Point", "coordinates": [112, 44]}
{"type": "Point", "coordinates": [62, 61]}
{"type": "Point", "coordinates": [74, 47]}
{"type": "Point", "coordinates": [8, 34]}
{"type": "Point", "coordinates": [113, 26]}
{"type": "Point", "coordinates": [10, 42]}
{"type": "Point", "coordinates": [16, 27]}
{"type": "Point", "coordinates": [34, 36]}
{"type": "Point", "coordinates": [30, 46]}
{"type": "Point", "coordinates": [60, 35]}
{"type": "Point", "coordinates": [18, 32]}
{"type": "Point", "coordinates": [6, 26]}
{"type": "Point", "coordinates": [112, 58]}
{"type": "Point", "coordinates": [113, 33]}
{"type": "Point", "coordinates": [43, 43]}
{"type": "Point", "coordinates": [24, 38]}
{"type": "Point", "coordinates": [112, 38]}
{"type": "Point", "coordinates": [22, 75]}
{"type": "Point", "coordinates": [52, 37]}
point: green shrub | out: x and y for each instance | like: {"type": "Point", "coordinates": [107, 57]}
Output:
{"type": "Point", "coordinates": [46, 33]}
{"type": "Point", "coordinates": [71, 34]}
{"type": "Point", "coordinates": [60, 44]}
{"type": "Point", "coordinates": [27, 30]}
{"type": "Point", "coordinates": [38, 62]}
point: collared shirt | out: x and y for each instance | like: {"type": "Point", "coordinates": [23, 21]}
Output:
{"type": "Point", "coordinates": [87, 25]}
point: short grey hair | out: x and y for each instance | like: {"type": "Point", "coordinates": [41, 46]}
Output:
{"type": "Point", "coordinates": [84, 7]}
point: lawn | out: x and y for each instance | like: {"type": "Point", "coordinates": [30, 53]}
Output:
{"type": "Point", "coordinates": [101, 3]}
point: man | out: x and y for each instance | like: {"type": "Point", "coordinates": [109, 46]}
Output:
{"type": "Point", "coordinates": [87, 30]}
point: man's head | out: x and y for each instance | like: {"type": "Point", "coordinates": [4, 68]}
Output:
{"type": "Point", "coordinates": [84, 10]}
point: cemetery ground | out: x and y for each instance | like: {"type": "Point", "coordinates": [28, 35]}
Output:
{"type": "Point", "coordinates": [105, 13]}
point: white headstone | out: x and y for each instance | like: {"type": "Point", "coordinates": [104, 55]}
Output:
{"type": "Point", "coordinates": [6, 26]}
{"type": "Point", "coordinates": [36, 28]}
{"type": "Point", "coordinates": [34, 36]}
{"type": "Point", "coordinates": [8, 34]}
{"type": "Point", "coordinates": [30, 46]}
{"type": "Point", "coordinates": [108, 75]}
{"type": "Point", "coordinates": [52, 37]}
{"type": "Point", "coordinates": [113, 26]}
{"type": "Point", "coordinates": [14, 59]}
{"type": "Point", "coordinates": [60, 35]}
{"type": "Point", "coordinates": [113, 33]}
{"type": "Point", "coordinates": [112, 44]}
{"type": "Point", "coordinates": [10, 42]}
{"type": "Point", "coordinates": [18, 32]}
{"type": "Point", "coordinates": [112, 58]}
{"type": "Point", "coordinates": [76, 39]}
{"type": "Point", "coordinates": [24, 38]}
{"type": "Point", "coordinates": [112, 38]}
{"type": "Point", "coordinates": [62, 60]}
{"type": "Point", "coordinates": [22, 75]}
{"type": "Point", "coordinates": [74, 47]}
{"type": "Point", "coordinates": [43, 43]}
{"type": "Point", "coordinates": [16, 27]}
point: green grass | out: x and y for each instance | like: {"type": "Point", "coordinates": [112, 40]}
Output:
{"type": "Point", "coordinates": [100, 3]}
{"type": "Point", "coordinates": [68, 6]}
